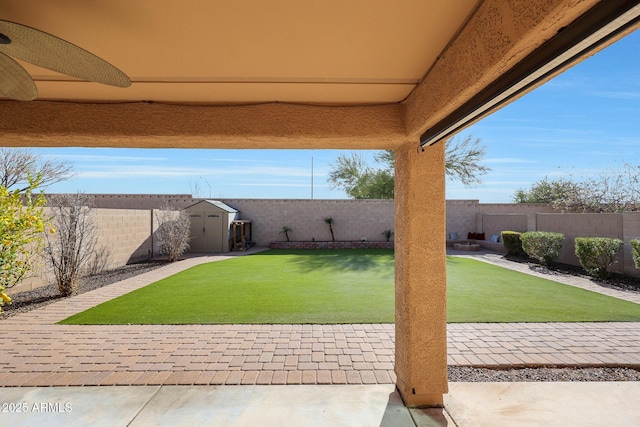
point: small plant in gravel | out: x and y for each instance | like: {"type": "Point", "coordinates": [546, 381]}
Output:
{"type": "Point", "coordinates": [174, 229]}
{"type": "Point", "coordinates": [387, 234]}
{"type": "Point", "coordinates": [596, 254]}
{"type": "Point", "coordinates": [542, 245]}
{"type": "Point", "coordinates": [69, 251]}
{"type": "Point", "coordinates": [329, 222]}
{"type": "Point", "coordinates": [286, 230]}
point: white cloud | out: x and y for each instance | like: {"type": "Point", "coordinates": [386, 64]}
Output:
{"type": "Point", "coordinates": [104, 158]}
{"type": "Point", "coordinates": [616, 94]}
{"type": "Point", "coordinates": [137, 171]}
{"type": "Point", "coordinates": [508, 160]}
{"type": "Point", "coordinates": [278, 184]}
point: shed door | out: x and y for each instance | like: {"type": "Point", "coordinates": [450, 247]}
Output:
{"type": "Point", "coordinates": [197, 242]}
{"type": "Point", "coordinates": [206, 232]}
{"type": "Point", "coordinates": [213, 232]}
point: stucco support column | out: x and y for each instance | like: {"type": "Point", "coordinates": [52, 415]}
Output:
{"type": "Point", "coordinates": [420, 256]}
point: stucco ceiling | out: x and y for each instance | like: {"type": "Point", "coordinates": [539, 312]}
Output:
{"type": "Point", "coordinates": [374, 74]}
{"type": "Point", "coordinates": [217, 52]}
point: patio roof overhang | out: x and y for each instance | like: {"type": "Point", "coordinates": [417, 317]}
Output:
{"type": "Point", "coordinates": [280, 74]}
{"type": "Point", "coordinates": [606, 21]}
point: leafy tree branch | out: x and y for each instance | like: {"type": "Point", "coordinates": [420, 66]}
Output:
{"type": "Point", "coordinates": [360, 181]}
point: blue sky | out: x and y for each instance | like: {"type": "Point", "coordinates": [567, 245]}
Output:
{"type": "Point", "coordinates": [582, 123]}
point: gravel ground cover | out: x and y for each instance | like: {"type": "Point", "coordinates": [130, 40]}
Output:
{"type": "Point", "coordinates": [30, 300]}
{"type": "Point", "coordinates": [540, 374]}
{"type": "Point", "coordinates": [614, 281]}
{"type": "Point", "coordinates": [44, 295]}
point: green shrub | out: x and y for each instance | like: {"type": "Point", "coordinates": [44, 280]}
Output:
{"type": "Point", "coordinates": [635, 252]}
{"type": "Point", "coordinates": [596, 254]}
{"type": "Point", "coordinates": [542, 245]}
{"type": "Point", "coordinates": [512, 243]}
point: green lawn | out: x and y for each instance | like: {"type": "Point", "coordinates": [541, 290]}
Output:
{"type": "Point", "coordinates": [345, 286]}
{"type": "Point", "coordinates": [481, 292]}
{"type": "Point", "coordinates": [275, 286]}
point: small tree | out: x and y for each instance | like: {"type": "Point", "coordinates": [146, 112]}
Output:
{"type": "Point", "coordinates": [387, 234]}
{"type": "Point", "coordinates": [554, 192]}
{"type": "Point", "coordinates": [69, 251]}
{"type": "Point", "coordinates": [286, 230]}
{"type": "Point", "coordinates": [329, 221]}
{"type": "Point", "coordinates": [21, 225]}
{"type": "Point", "coordinates": [18, 164]}
{"type": "Point", "coordinates": [173, 233]}
{"type": "Point", "coordinates": [596, 254]}
{"type": "Point", "coordinates": [361, 181]}
{"type": "Point", "coordinates": [610, 192]}
{"type": "Point", "coordinates": [462, 160]}
{"type": "Point", "coordinates": [542, 245]}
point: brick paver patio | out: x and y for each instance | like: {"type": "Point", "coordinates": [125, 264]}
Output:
{"type": "Point", "coordinates": [34, 351]}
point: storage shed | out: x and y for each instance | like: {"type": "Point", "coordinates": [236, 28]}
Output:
{"type": "Point", "coordinates": [210, 226]}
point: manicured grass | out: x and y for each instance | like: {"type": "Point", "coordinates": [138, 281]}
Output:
{"type": "Point", "coordinates": [481, 292]}
{"type": "Point", "coordinates": [276, 286]}
{"type": "Point", "coordinates": [345, 286]}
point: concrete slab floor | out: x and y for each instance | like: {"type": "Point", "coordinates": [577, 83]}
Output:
{"type": "Point", "coordinates": [467, 404]}
{"type": "Point", "coordinates": [535, 404]}
{"type": "Point", "coordinates": [73, 406]}
{"type": "Point", "coordinates": [228, 406]}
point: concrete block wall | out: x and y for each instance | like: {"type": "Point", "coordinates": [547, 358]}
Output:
{"type": "Point", "coordinates": [491, 224]}
{"type": "Point", "coordinates": [124, 237]}
{"type": "Point", "coordinates": [574, 225]}
{"type": "Point", "coordinates": [495, 218]}
{"type": "Point", "coordinates": [353, 219]}
{"type": "Point", "coordinates": [141, 201]}
{"type": "Point", "coordinates": [331, 245]}
{"type": "Point", "coordinates": [461, 214]}
{"type": "Point", "coordinates": [461, 217]}
{"type": "Point", "coordinates": [125, 234]}
{"type": "Point", "coordinates": [514, 208]}
{"type": "Point", "coordinates": [125, 223]}
{"type": "Point", "coordinates": [466, 216]}
{"type": "Point", "coordinates": [630, 231]}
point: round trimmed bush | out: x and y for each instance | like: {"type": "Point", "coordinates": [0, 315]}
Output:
{"type": "Point", "coordinates": [542, 245]}
{"type": "Point", "coordinates": [596, 254]}
{"type": "Point", "coordinates": [512, 243]}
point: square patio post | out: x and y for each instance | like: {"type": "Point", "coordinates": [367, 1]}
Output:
{"type": "Point", "coordinates": [420, 256]}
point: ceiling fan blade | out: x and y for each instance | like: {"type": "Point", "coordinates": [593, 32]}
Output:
{"type": "Point", "coordinates": [48, 51]}
{"type": "Point", "coordinates": [15, 82]}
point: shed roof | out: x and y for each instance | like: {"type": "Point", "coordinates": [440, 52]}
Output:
{"type": "Point", "coordinates": [216, 203]}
